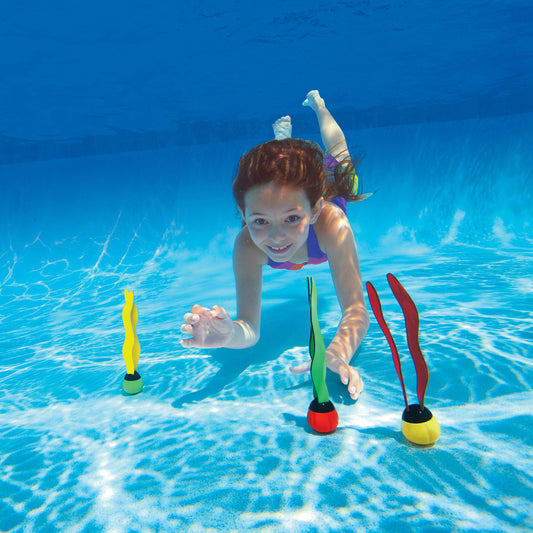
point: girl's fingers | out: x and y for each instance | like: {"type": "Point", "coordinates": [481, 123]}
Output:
{"type": "Point", "coordinates": [344, 373]}
{"type": "Point", "coordinates": [186, 328]}
{"type": "Point", "coordinates": [190, 318]}
{"type": "Point", "coordinates": [351, 378]}
{"type": "Point", "coordinates": [300, 369]}
{"type": "Point", "coordinates": [355, 386]}
{"type": "Point", "coordinates": [218, 312]}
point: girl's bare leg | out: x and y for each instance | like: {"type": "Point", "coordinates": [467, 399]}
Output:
{"type": "Point", "coordinates": [332, 136]}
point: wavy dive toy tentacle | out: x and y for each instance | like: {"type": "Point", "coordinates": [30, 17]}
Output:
{"type": "Point", "coordinates": [317, 348]}
{"type": "Point", "coordinates": [410, 314]}
{"type": "Point", "coordinates": [127, 347]}
{"type": "Point", "coordinates": [375, 303]}
{"type": "Point", "coordinates": [131, 348]}
{"type": "Point", "coordinates": [136, 352]}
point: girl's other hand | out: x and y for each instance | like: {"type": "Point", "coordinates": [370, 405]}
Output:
{"type": "Point", "coordinates": [209, 328]}
{"type": "Point", "coordinates": [348, 374]}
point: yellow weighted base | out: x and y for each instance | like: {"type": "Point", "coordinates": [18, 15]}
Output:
{"type": "Point", "coordinates": [420, 427]}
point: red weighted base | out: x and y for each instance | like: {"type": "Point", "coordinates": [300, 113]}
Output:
{"type": "Point", "coordinates": [323, 417]}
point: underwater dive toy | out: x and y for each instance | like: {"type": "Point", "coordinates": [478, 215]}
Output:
{"type": "Point", "coordinates": [132, 383]}
{"type": "Point", "coordinates": [418, 424]}
{"type": "Point", "coordinates": [322, 415]}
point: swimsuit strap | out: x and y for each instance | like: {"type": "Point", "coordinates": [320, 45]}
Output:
{"type": "Point", "coordinates": [314, 253]}
{"type": "Point", "coordinates": [339, 201]}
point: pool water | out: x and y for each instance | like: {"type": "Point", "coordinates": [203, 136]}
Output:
{"type": "Point", "coordinates": [218, 439]}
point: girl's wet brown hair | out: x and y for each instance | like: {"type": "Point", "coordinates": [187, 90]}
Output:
{"type": "Point", "coordinates": [294, 163]}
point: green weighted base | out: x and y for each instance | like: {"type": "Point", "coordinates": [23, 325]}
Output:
{"type": "Point", "coordinates": [132, 383]}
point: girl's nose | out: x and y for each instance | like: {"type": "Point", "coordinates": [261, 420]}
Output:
{"type": "Point", "coordinates": [276, 233]}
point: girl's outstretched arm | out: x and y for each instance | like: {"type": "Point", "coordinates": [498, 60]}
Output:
{"type": "Point", "coordinates": [213, 328]}
{"type": "Point", "coordinates": [346, 274]}
{"type": "Point", "coordinates": [248, 263]}
{"type": "Point", "coordinates": [336, 239]}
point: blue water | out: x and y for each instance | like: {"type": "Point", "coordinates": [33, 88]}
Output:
{"type": "Point", "coordinates": [134, 192]}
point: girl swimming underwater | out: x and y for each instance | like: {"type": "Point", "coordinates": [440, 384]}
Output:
{"type": "Point", "coordinates": [293, 203]}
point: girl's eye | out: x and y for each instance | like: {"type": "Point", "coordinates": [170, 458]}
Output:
{"type": "Point", "coordinates": [260, 222]}
{"type": "Point", "coordinates": [293, 219]}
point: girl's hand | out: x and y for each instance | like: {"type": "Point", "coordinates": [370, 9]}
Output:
{"type": "Point", "coordinates": [209, 328]}
{"type": "Point", "coordinates": [348, 374]}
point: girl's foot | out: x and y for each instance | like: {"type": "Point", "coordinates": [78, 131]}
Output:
{"type": "Point", "coordinates": [314, 100]}
{"type": "Point", "coordinates": [282, 128]}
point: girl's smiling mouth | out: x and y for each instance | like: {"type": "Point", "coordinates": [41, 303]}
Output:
{"type": "Point", "coordinates": [279, 250]}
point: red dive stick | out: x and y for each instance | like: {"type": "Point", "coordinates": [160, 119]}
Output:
{"type": "Point", "coordinates": [410, 314]}
{"type": "Point", "coordinates": [378, 312]}
{"type": "Point", "coordinates": [418, 424]}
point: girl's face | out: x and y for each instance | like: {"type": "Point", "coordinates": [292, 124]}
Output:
{"type": "Point", "coordinates": [278, 219]}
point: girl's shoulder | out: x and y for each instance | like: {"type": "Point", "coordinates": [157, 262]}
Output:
{"type": "Point", "coordinates": [330, 225]}
{"type": "Point", "coordinates": [330, 216]}
{"type": "Point", "coordinates": [244, 249]}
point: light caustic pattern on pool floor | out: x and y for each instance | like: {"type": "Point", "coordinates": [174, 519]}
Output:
{"type": "Point", "coordinates": [218, 438]}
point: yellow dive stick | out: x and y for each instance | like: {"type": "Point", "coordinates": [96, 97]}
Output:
{"type": "Point", "coordinates": [132, 383]}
